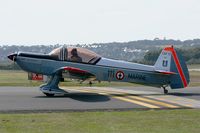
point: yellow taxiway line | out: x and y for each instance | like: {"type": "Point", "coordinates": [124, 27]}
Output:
{"type": "Point", "coordinates": [131, 99]}
{"type": "Point", "coordinates": [147, 99]}
{"type": "Point", "coordinates": [176, 100]}
{"type": "Point", "coordinates": [154, 102]}
{"type": "Point", "coordinates": [120, 98]}
{"type": "Point", "coordinates": [135, 102]}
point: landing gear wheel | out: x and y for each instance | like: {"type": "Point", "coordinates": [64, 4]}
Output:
{"type": "Point", "coordinates": [165, 90]}
{"type": "Point", "coordinates": [90, 83]}
{"type": "Point", "coordinates": [49, 95]}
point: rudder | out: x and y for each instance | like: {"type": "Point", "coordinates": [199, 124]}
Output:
{"type": "Point", "coordinates": [171, 60]}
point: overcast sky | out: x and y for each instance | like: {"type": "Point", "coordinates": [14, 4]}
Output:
{"type": "Point", "coordinates": [94, 21]}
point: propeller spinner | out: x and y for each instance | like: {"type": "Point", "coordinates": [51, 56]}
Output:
{"type": "Point", "coordinates": [12, 57]}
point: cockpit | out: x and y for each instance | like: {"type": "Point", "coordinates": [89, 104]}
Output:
{"type": "Point", "coordinates": [75, 54]}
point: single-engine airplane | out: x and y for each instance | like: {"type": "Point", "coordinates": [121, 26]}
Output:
{"type": "Point", "coordinates": [80, 63]}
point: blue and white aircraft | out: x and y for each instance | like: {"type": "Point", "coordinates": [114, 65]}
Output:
{"type": "Point", "coordinates": [80, 63]}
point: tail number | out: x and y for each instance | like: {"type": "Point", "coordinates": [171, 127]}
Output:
{"type": "Point", "coordinates": [165, 63]}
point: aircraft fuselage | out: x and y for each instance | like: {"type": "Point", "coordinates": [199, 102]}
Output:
{"type": "Point", "coordinates": [104, 70]}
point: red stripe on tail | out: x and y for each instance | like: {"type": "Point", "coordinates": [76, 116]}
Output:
{"type": "Point", "coordinates": [178, 65]}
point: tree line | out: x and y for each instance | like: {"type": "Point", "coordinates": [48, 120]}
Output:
{"type": "Point", "coordinates": [190, 55]}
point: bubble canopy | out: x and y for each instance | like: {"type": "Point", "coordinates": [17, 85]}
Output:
{"type": "Point", "coordinates": [75, 54]}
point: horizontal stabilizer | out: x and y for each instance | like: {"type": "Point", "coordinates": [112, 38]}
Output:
{"type": "Point", "coordinates": [165, 72]}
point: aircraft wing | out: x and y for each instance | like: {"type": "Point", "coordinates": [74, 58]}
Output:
{"type": "Point", "coordinates": [75, 73]}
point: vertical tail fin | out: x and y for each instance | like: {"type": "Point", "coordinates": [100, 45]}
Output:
{"type": "Point", "coordinates": [171, 61]}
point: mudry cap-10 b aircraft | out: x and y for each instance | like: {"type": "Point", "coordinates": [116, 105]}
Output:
{"type": "Point", "coordinates": [80, 63]}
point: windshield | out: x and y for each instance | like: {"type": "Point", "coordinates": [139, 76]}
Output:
{"type": "Point", "coordinates": [76, 54]}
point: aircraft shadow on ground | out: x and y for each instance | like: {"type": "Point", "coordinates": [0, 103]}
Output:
{"type": "Point", "coordinates": [184, 94]}
{"type": "Point", "coordinates": [84, 97]}
{"type": "Point", "coordinates": [95, 97]}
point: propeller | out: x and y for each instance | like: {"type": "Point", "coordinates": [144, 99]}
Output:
{"type": "Point", "coordinates": [13, 57]}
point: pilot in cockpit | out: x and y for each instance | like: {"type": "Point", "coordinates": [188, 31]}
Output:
{"type": "Point", "coordinates": [75, 57]}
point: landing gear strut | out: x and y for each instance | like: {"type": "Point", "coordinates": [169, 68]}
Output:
{"type": "Point", "coordinates": [165, 90]}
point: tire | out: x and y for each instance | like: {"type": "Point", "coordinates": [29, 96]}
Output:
{"type": "Point", "coordinates": [49, 95]}
{"type": "Point", "coordinates": [165, 91]}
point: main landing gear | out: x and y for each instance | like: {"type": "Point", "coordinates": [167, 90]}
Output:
{"type": "Point", "coordinates": [165, 90]}
{"type": "Point", "coordinates": [51, 88]}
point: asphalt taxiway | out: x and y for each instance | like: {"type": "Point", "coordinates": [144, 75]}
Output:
{"type": "Point", "coordinates": [30, 99]}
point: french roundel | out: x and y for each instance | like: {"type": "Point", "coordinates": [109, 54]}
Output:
{"type": "Point", "coordinates": [120, 75]}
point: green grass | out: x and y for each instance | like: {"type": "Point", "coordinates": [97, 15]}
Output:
{"type": "Point", "coordinates": [194, 66]}
{"type": "Point", "coordinates": [16, 78]}
{"type": "Point", "coordinates": [152, 121]}
{"type": "Point", "coordinates": [195, 78]}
